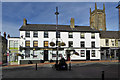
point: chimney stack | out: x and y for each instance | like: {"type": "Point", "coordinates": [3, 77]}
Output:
{"type": "Point", "coordinates": [4, 35]}
{"type": "Point", "coordinates": [72, 23]}
{"type": "Point", "coordinates": [8, 36]}
{"type": "Point", "coordinates": [24, 22]}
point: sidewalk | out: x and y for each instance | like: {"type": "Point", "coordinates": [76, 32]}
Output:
{"type": "Point", "coordinates": [41, 64]}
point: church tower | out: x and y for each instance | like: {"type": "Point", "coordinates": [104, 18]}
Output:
{"type": "Point", "coordinates": [98, 19]}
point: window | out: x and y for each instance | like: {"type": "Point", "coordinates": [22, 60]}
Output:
{"type": "Point", "coordinates": [46, 34]}
{"type": "Point", "coordinates": [45, 43]}
{"type": "Point", "coordinates": [107, 42]}
{"type": "Point", "coordinates": [82, 53]}
{"type": "Point", "coordinates": [93, 35]}
{"type": "Point", "coordinates": [93, 44]}
{"type": "Point", "coordinates": [35, 43]}
{"type": "Point", "coordinates": [82, 44]}
{"type": "Point", "coordinates": [35, 34]}
{"type": "Point", "coordinates": [27, 43]}
{"type": "Point", "coordinates": [70, 43]}
{"type": "Point", "coordinates": [13, 44]}
{"type": "Point", "coordinates": [112, 42]}
{"type": "Point", "coordinates": [82, 35]}
{"type": "Point", "coordinates": [70, 34]}
{"type": "Point", "coordinates": [93, 53]}
{"type": "Point", "coordinates": [27, 34]}
{"type": "Point", "coordinates": [57, 34]}
{"type": "Point", "coordinates": [118, 43]}
{"type": "Point", "coordinates": [27, 53]}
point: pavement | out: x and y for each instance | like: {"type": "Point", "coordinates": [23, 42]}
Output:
{"type": "Point", "coordinates": [72, 62]}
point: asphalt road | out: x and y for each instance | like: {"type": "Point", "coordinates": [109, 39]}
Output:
{"type": "Point", "coordinates": [86, 70]}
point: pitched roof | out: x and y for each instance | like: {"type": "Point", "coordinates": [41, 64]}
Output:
{"type": "Point", "coordinates": [110, 34]}
{"type": "Point", "coordinates": [49, 27]}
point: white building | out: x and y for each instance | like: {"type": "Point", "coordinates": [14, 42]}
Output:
{"type": "Point", "coordinates": [13, 48]}
{"type": "Point", "coordinates": [35, 42]}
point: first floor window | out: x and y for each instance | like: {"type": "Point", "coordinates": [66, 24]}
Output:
{"type": "Point", "coordinates": [93, 35]}
{"type": "Point", "coordinates": [27, 34]}
{"type": "Point", "coordinates": [57, 34]}
{"type": "Point", "coordinates": [70, 34]}
{"type": "Point", "coordinates": [45, 34]}
{"type": "Point", "coordinates": [82, 53]}
{"type": "Point", "coordinates": [35, 34]}
{"type": "Point", "coordinates": [119, 43]}
{"type": "Point", "coordinates": [35, 43]}
{"type": "Point", "coordinates": [27, 43]}
{"type": "Point", "coordinates": [45, 43]}
{"type": "Point", "coordinates": [107, 42]}
{"type": "Point", "coordinates": [93, 53]}
{"type": "Point", "coordinates": [82, 35]}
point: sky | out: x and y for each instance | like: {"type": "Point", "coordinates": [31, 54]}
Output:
{"type": "Point", "coordinates": [13, 14]}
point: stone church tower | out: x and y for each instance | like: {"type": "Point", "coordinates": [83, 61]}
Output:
{"type": "Point", "coordinates": [98, 18]}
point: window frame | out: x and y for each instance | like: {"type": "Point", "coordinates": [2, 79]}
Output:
{"type": "Point", "coordinates": [58, 34]}
{"type": "Point", "coordinates": [82, 53]}
{"type": "Point", "coordinates": [34, 33]}
{"type": "Point", "coordinates": [45, 43]}
{"type": "Point", "coordinates": [82, 36]}
{"type": "Point", "coordinates": [46, 34]}
{"type": "Point", "coordinates": [82, 43]}
{"type": "Point", "coordinates": [70, 34]}
{"type": "Point", "coordinates": [26, 33]}
{"type": "Point", "coordinates": [93, 46]}
{"type": "Point", "coordinates": [35, 43]}
{"type": "Point", "coordinates": [93, 52]}
{"type": "Point", "coordinates": [27, 43]}
{"type": "Point", "coordinates": [107, 42]}
{"type": "Point", "coordinates": [92, 35]}
{"type": "Point", "coordinates": [69, 43]}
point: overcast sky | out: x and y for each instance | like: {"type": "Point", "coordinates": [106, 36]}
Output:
{"type": "Point", "coordinates": [43, 13]}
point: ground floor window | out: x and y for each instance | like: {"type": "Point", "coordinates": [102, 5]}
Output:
{"type": "Point", "coordinates": [82, 53]}
{"type": "Point", "coordinates": [93, 53]}
{"type": "Point", "coordinates": [27, 53]}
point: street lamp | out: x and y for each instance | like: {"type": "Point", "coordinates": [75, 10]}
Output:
{"type": "Point", "coordinates": [57, 13]}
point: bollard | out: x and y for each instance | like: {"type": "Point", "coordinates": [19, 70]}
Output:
{"type": "Point", "coordinates": [69, 66]}
{"type": "Point", "coordinates": [36, 66]}
{"type": "Point", "coordinates": [102, 75]}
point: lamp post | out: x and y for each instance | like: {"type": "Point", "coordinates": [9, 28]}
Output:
{"type": "Point", "coordinates": [57, 13]}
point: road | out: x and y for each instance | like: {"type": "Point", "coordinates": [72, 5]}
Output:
{"type": "Point", "coordinates": [82, 70]}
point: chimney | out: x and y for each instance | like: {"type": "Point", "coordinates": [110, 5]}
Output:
{"type": "Point", "coordinates": [4, 35]}
{"type": "Point", "coordinates": [95, 6]}
{"type": "Point", "coordinates": [24, 22]}
{"type": "Point", "coordinates": [72, 23]}
{"type": "Point", "coordinates": [8, 36]}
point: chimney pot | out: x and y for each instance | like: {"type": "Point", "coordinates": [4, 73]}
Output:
{"type": "Point", "coordinates": [24, 22]}
{"type": "Point", "coordinates": [72, 23]}
{"type": "Point", "coordinates": [5, 35]}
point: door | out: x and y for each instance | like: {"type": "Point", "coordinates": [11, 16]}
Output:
{"type": "Point", "coordinates": [88, 55]}
{"type": "Point", "coordinates": [45, 55]}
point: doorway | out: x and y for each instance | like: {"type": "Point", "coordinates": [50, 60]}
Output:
{"type": "Point", "coordinates": [88, 55]}
{"type": "Point", "coordinates": [45, 55]}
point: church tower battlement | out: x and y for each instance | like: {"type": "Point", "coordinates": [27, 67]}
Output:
{"type": "Point", "coordinates": [98, 19]}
